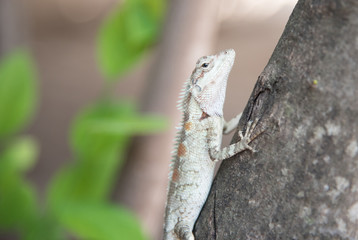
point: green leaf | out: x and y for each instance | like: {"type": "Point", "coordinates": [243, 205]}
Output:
{"type": "Point", "coordinates": [85, 139]}
{"type": "Point", "coordinates": [17, 202]}
{"type": "Point", "coordinates": [89, 178]}
{"type": "Point", "coordinates": [18, 207]}
{"type": "Point", "coordinates": [98, 158]}
{"type": "Point", "coordinates": [17, 92]}
{"type": "Point", "coordinates": [44, 227]}
{"type": "Point", "coordinates": [19, 155]}
{"type": "Point", "coordinates": [112, 121]}
{"type": "Point", "coordinates": [20, 213]}
{"type": "Point", "coordinates": [100, 136]}
{"type": "Point", "coordinates": [125, 35]}
{"type": "Point", "coordinates": [127, 125]}
{"type": "Point", "coordinates": [100, 222]}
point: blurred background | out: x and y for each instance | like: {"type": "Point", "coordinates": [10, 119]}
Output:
{"type": "Point", "coordinates": [88, 91]}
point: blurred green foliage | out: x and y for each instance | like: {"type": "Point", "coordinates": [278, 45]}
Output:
{"type": "Point", "coordinates": [77, 200]}
{"type": "Point", "coordinates": [127, 34]}
{"type": "Point", "coordinates": [18, 90]}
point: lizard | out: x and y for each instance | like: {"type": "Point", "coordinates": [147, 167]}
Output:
{"type": "Point", "coordinates": [198, 143]}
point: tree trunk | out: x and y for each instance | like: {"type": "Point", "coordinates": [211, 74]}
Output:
{"type": "Point", "coordinates": [303, 182]}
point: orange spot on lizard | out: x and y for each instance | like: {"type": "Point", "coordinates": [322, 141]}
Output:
{"type": "Point", "coordinates": [175, 175]}
{"type": "Point", "coordinates": [187, 126]}
{"type": "Point", "coordinates": [181, 150]}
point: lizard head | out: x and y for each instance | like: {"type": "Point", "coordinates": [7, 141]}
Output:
{"type": "Point", "coordinates": [208, 81]}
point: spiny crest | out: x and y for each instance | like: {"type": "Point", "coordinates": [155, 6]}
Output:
{"type": "Point", "coordinates": [183, 96]}
{"type": "Point", "coordinates": [182, 104]}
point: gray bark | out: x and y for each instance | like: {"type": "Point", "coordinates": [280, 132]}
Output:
{"type": "Point", "coordinates": [303, 182]}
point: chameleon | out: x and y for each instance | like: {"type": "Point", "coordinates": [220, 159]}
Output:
{"type": "Point", "coordinates": [198, 143]}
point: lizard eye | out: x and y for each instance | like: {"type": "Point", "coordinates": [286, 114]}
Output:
{"type": "Point", "coordinates": [205, 65]}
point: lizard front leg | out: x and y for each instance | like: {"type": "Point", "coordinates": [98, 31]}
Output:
{"type": "Point", "coordinates": [218, 155]}
{"type": "Point", "coordinates": [232, 124]}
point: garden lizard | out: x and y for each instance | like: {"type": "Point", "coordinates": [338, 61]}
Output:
{"type": "Point", "coordinates": [198, 143]}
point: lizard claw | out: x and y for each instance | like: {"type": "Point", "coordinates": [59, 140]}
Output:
{"type": "Point", "coordinates": [246, 145]}
{"type": "Point", "coordinates": [240, 135]}
{"type": "Point", "coordinates": [249, 136]}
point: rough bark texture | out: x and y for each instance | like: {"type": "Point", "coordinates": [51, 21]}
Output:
{"type": "Point", "coordinates": [303, 182]}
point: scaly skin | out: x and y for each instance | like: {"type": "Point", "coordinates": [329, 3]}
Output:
{"type": "Point", "coordinates": [198, 146]}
